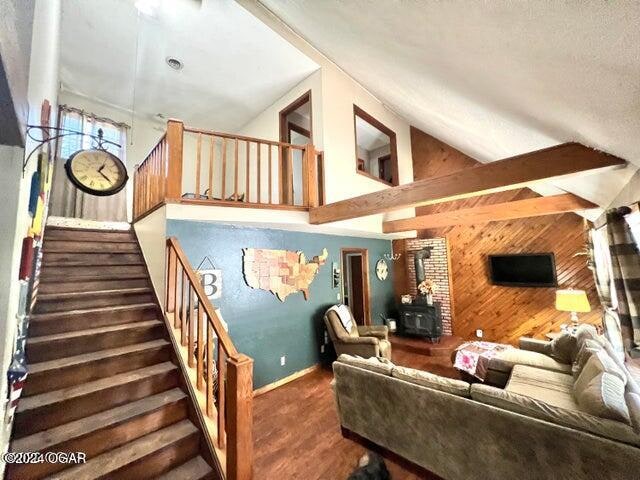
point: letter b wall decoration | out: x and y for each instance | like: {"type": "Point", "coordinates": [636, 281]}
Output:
{"type": "Point", "coordinates": [212, 283]}
{"type": "Point", "coordinates": [211, 279]}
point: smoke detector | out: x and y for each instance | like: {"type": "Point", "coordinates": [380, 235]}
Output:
{"type": "Point", "coordinates": [174, 63]}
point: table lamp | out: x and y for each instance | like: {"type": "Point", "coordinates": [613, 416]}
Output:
{"type": "Point", "coordinates": [573, 301]}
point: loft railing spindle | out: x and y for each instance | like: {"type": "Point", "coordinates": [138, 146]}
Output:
{"type": "Point", "coordinates": [198, 160]}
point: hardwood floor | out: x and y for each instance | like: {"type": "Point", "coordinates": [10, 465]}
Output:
{"type": "Point", "coordinates": [297, 433]}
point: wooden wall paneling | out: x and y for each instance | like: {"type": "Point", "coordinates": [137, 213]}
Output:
{"type": "Point", "coordinates": [503, 313]}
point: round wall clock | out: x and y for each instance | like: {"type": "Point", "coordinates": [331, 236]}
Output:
{"type": "Point", "coordinates": [96, 172]}
{"type": "Point", "coordinates": [382, 270]}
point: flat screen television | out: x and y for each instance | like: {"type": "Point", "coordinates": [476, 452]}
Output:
{"type": "Point", "coordinates": [523, 270]}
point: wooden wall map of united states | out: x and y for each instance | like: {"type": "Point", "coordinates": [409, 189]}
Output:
{"type": "Point", "coordinates": [281, 272]}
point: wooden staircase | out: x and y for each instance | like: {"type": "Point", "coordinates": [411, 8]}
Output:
{"type": "Point", "coordinates": [103, 374]}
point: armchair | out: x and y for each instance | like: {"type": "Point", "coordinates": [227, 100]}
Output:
{"type": "Point", "coordinates": [364, 341]}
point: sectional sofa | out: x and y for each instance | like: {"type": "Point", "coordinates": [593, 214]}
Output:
{"type": "Point", "coordinates": [581, 423]}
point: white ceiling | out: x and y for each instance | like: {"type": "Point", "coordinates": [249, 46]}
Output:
{"type": "Point", "coordinates": [494, 79]}
{"type": "Point", "coordinates": [234, 66]}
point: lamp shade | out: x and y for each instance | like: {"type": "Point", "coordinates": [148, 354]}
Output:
{"type": "Point", "coordinates": [572, 301]}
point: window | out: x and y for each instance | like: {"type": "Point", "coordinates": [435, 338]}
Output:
{"type": "Point", "coordinates": [633, 219]}
{"type": "Point", "coordinates": [376, 155]}
{"type": "Point", "coordinates": [79, 121]}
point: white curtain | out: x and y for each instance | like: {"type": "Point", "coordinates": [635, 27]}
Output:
{"type": "Point", "coordinates": [66, 199]}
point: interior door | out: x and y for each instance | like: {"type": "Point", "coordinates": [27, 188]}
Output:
{"type": "Point", "coordinates": [356, 299]}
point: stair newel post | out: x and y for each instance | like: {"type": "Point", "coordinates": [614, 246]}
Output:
{"type": "Point", "coordinates": [239, 417]}
{"type": "Point", "coordinates": [311, 178]}
{"type": "Point", "coordinates": [173, 180]}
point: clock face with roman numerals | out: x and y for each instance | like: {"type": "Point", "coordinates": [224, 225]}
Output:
{"type": "Point", "coordinates": [97, 172]}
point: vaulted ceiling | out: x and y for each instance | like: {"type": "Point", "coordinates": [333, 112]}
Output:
{"type": "Point", "coordinates": [494, 79]}
{"type": "Point", "coordinates": [234, 65]}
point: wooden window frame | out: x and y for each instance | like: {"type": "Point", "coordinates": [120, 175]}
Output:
{"type": "Point", "coordinates": [358, 112]}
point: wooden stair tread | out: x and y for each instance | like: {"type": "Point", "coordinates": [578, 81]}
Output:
{"type": "Point", "coordinates": [64, 362]}
{"type": "Point", "coordinates": [78, 428]}
{"type": "Point", "coordinates": [123, 327]}
{"type": "Point", "coordinates": [194, 469]}
{"type": "Point", "coordinates": [101, 278]}
{"type": "Point", "coordinates": [55, 396]}
{"type": "Point", "coordinates": [111, 461]}
{"type": "Point", "coordinates": [49, 297]}
{"type": "Point", "coordinates": [89, 311]}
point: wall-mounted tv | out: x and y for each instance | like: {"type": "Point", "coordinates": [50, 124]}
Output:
{"type": "Point", "coordinates": [523, 270]}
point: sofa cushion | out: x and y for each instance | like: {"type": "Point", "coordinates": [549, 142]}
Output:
{"type": "Point", "coordinates": [597, 363]}
{"type": "Point", "coordinates": [553, 388]}
{"type": "Point", "coordinates": [430, 380]}
{"type": "Point", "coordinates": [633, 404]}
{"type": "Point", "coordinates": [586, 332]}
{"type": "Point", "coordinates": [505, 360]}
{"type": "Point", "coordinates": [564, 347]}
{"type": "Point", "coordinates": [373, 364]}
{"type": "Point", "coordinates": [588, 347]}
{"type": "Point", "coordinates": [532, 407]}
{"type": "Point", "coordinates": [604, 397]}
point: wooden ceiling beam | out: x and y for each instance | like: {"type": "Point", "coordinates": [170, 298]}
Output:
{"type": "Point", "coordinates": [530, 207]}
{"type": "Point", "coordinates": [508, 174]}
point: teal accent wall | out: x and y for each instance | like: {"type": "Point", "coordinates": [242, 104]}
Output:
{"type": "Point", "coordinates": [262, 326]}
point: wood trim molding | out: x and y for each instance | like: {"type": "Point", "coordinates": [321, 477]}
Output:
{"type": "Point", "coordinates": [285, 380]}
{"type": "Point", "coordinates": [393, 147]}
{"type": "Point", "coordinates": [531, 207]}
{"type": "Point", "coordinates": [507, 174]}
{"type": "Point", "coordinates": [365, 273]}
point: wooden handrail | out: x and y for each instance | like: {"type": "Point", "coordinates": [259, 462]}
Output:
{"type": "Point", "coordinates": [227, 380]}
{"type": "Point", "coordinates": [262, 176]}
{"type": "Point", "coordinates": [203, 300]}
{"type": "Point", "coordinates": [243, 138]}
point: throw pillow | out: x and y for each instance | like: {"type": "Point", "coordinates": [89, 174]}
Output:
{"type": "Point", "coordinates": [564, 348]}
{"type": "Point", "coordinates": [588, 347]}
{"type": "Point", "coordinates": [603, 397]}
{"type": "Point", "coordinates": [599, 362]}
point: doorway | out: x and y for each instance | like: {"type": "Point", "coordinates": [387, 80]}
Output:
{"type": "Point", "coordinates": [355, 283]}
{"type": "Point", "coordinates": [296, 128]}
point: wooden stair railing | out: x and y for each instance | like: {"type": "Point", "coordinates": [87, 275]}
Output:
{"type": "Point", "coordinates": [226, 169]}
{"type": "Point", "coordinates": [228, 384]}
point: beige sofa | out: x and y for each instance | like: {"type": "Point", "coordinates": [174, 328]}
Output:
{"type": "Point", "coordinates": [543, 425]}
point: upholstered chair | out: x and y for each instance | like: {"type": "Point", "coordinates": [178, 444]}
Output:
{"type": "Point", "coordinates": [364, 341]}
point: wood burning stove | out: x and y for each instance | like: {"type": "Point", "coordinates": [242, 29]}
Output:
{"type": "Point", "coordinates": [420, 318]}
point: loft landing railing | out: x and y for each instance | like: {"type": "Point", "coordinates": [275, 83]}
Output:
{"type": "Point", "coordinates": [223, 377]}
{"type": "Point", "coordinates": [195, 166]}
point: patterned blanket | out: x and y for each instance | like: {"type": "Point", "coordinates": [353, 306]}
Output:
{"type": "Point", "coordinates": [473, 357]}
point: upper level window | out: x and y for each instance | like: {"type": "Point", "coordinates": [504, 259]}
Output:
{"type": "Point", "coordinates": [376, 154]}
{"type": "Point", "coordinates": [79, 121]}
